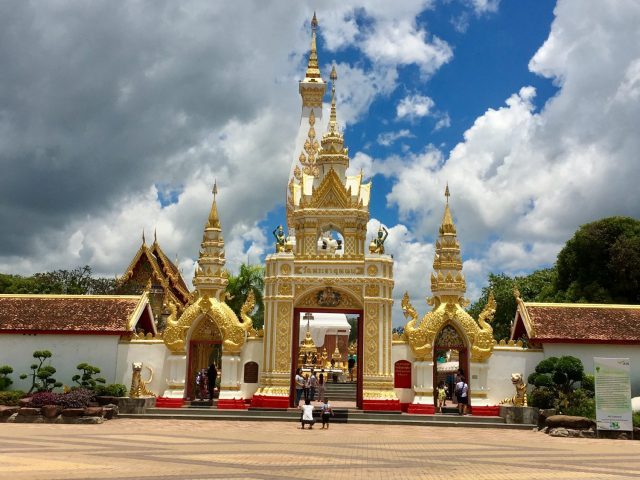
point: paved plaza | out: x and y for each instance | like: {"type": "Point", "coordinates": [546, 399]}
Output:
{"type": "Point", "coordinates": [168, 449]}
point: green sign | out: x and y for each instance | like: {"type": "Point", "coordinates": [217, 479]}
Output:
{"type": "Point", "coordinates": [613, 393]}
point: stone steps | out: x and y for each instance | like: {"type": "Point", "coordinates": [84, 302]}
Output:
{"type": "Point", "coordinates": [341, 416]}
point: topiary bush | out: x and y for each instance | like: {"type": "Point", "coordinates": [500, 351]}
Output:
{"type": "Point", "coordinates": [556, 382]}
{"type": "Point", "coordinates": [85, 378]}
{"type": "Point", "coordinates": [5, 381]}
{"type": "Point", "coordinates": [11, 398]}
{"type": "Point", "coordinates": [42, 375]}
{"type": "Point", "coordinates": [111, 390]}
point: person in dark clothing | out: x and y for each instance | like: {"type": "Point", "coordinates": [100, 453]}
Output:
{"type": "Point", "coordinates": [351, 364]}
{"type": "Point", "coordinates": [212, 376]}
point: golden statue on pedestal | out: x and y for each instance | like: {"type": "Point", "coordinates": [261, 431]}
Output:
{"type": "Point", "coordinates": [377, 244]}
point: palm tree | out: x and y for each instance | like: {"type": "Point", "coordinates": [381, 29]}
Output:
{"type": "Point", "coordinates": [250, 277]}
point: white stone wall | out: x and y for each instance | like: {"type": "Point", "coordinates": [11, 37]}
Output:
{"type": "Point", "coordinates": [503, 362]}
{"type": "Point", "coordinates": [252, 351]}
{"type": "Point", "coordinates": [402, 351]}
{"type": "Point", "coordinates": [152, 354]}
{"type": "Point", "coordinates": [586, 352]}
{"type": "Point", "coordinates": [68, 351]}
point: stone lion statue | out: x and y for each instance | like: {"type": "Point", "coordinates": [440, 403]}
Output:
{"type": "Point", "coordinates": [138, 384]}
{"type": "Point", "coordinates": [520, 398]}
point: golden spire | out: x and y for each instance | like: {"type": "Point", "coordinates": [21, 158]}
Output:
{"type": "Point", "coordinates": [447, 278]}
{"type": "Point", "coordinates": [210, 277]}
{"type": "Point", "coordinates": [155, 235]}
{"type": "Point", "coordinates": [312, 67]}
{"type": "Point", "coordinates": [333, 117]}
{"type": "Point", "coordinates": [143, 239]}
{"type": "Point", "coordinates": [214, 219]}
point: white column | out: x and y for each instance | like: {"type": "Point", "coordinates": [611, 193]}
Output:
{"type": "Point", "coordinates": [175, 368]}
{"type": "Point", "coordinates": [230, 378]}
{"type": "Point", "coordinates": [423, 383]}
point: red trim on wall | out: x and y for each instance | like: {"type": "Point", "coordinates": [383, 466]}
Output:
{"type": "Point", "coordinates": [586, 341]}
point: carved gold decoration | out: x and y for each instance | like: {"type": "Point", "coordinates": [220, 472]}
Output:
{"type": "Point", "coordinates": [233, 331]}
{"type": "Point", "coordinates": [311, 300]}
{"type": "Point", "coordinates": [283, 342]}
{"type": "Point", "coordinates": [372, 270]}
{"type": "Point", "coordinates": [449, 338]}
{"type": "Point", "coordinates": [328, 297]}
{"type": "Point", "coordinates": [371, 291]}
{"type": "Point", "coordinates": [371, 339]}
{"type": "Point", "coordinates": [138, 384]}
{"type": "Point", "coordinates": [285, 269]}
{"type": "Point", "coordinates": [285, 289]}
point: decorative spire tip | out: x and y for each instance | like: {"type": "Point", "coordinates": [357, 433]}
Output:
{"type": "Point", "coordinates": [314, 21]}
{"type": "Point", "coordinates": [215, 188]}
{"type": "Point", "coordinates": [155, 235]}
{"type": "Point", "coordinates": [334, 75]}
{"type": "Point", "coordinates": [446, 192]}
{"type": "Point", "coordinates": [143, 239]}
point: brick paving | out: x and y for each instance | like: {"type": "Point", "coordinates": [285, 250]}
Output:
{"type": "Point", "coordinates": [183, 449]}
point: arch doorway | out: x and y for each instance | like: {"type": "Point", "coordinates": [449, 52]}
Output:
{"type": "Point", "coordinates": [450, 354]}
{"type": "Point", "coordinates": [205, 348]}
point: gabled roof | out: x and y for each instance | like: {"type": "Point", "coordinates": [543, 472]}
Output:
{"type": "Point", "coordinates": [577, 323]}
{"type": "Point", "coordinates": [165, 271]}
{"type": "Point", "coordinates": [86, 314]}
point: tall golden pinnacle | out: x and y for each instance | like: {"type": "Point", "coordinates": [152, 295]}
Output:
{"type": "Point", "coordinates": [214, 219]}
{"type": "Point", "coordinates": [447, 226]}
{"type": "Point", "coordinates": [313, 71]}
{"type": "Point", "coordinates": [333, 120]}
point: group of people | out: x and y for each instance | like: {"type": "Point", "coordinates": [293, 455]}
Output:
{"type": "Point", "coordinates": [306, 418]}
{"type": "Point", "coordinates": [308, 385]}
{"type": "Point", "coordinates": [206, 382]}
{"type": "Point", "coordinates": [461, 393]}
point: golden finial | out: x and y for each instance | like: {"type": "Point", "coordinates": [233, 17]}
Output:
{"type": "Point", "coordinates": [333, 116]}
{"type": "Point", "coordinates": [215, 189]}
{"type": "Point", "coordinates": [143, 239]}
{"type": "Point", "coordinates": [214, 219]}
{"type": "Point", "coordinates": [312, 67]}
{"type": "Point", "coordinates": [516, 292]}
{"type": "Point", "coordinates": [155, 235]}
{"type": "Point", "coordinates": [446, 192]}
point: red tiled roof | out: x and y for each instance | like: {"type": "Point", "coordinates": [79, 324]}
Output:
{"type": "Point", "coordinates": [69, 313]}
{"type": "Point", "coordinates": [586, 323]}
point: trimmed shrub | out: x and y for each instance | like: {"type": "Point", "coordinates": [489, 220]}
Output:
{"type": "Point", "coordinates": [542, 398]}
{"type": "Point", "coordinates": [11, 398]}
{"type": "Point", "coordinates": [636, 419]}
{"type": "Point", "coordinates": [42, 375]}
{"type": "Point", "coordinates": [111, 390]}
{"type": "Point", "coordinates": [581, 404]}
{"type": "Point", "coordinates": [40, 399]}
{"type": "Point", "coordinates": [85, 378]}
{"type": "Point", "coordinates": [5, 381]}
{"type": "Point", "coordinates": [77, 398]}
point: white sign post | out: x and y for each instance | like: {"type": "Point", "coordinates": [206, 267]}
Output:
{"type": "Point", "coordinates": [613, 394]}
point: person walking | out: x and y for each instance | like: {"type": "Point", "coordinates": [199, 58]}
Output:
{"type": "Point", "coordinates": [326, 412]}
{"type": "Point", "coordinates": [307, 386]}
{"type": "Point", "coordinates": [307, 415]}
{"type": "Point", "coordinates": [299, 381]}
{"type": "Point", "coordinates": [351, 364]}
{"type": "Point", "coordinates": [313, 385]}
{"type": "Point", "coordinates": [321, 387]}
{"type": "Point", "coordinates": [212, 376]}
{"type": "Point", "coordinates": [462, 394]}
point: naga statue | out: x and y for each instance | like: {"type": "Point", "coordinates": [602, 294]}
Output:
{"type": "Point", "coordinates": [483, 345]}
{"type": "Point", "coordinates": [377, 244]}
{"type": "Point", "coordinates": [415, 336]}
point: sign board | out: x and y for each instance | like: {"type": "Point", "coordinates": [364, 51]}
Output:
{"type": "Point", "coordinates": [402, 374]}
{"type": "Point", "coordinates": [613, 393]}
{"type": "Point", "coordinates": [251, 372]}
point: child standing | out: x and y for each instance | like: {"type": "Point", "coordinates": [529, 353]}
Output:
{"type": "Point", "coordinates": [326, 413]}
{"type": "Point", "coordinates": [442, 396]}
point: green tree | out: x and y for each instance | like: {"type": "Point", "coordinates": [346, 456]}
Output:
{"type": "Point", "coordinates": [537, 286]}
{"type": "Point", "coordinates": [42, 375]}
{"type": "Point", "coordinates": [250, 277]}
{"type": "Point", "coordinates": [5, 381]}
{"type": "Point", "coordinates": [85, 378]}
{"type": "Point", "coordinates": [77, 281]}
{"type": "Point", "coordinates": [601, 263]}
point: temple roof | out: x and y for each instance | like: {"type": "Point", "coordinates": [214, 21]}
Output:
{"type": "Point", "coordinates": [577, 323]}
{"type": "Point", "coordinates": [166, 272]}
{"type": "Point", "coordinates": [87, 314]}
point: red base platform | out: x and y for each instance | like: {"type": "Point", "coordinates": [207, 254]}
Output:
{"type": "Point", "coordinates": [485, 411]}
{"type": "Point", "coordinates": [381, 405]}
{"type": "Point", "coordinates": [421, 409]}
{"type": "Point", "coordinates": [267, 401]}
{"type": "Point", "coordinates": [232, 404]}
{"type": "Point", "coordinates": [164, 402]}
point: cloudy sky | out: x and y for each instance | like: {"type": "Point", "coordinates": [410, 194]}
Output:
{"type": "Point", "coordinates": [117, 116]}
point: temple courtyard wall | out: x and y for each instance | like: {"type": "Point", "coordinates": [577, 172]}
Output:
{"type": "Point", "coordinates": [68, 351]}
